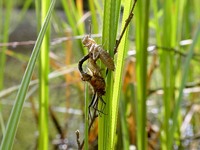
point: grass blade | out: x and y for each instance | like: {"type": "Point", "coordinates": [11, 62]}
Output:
{"type": "Point", "coordinates": [86, 116]}
{"type": "Point", "coordinates": [43, 82]}
{"type": "Point", "coordinates": [13, 121]}
{"type": "Point", "coordinates": [5, 30]}
{"type": "Point", "coordinates": [183, 83]}
{"type": "Point", "coordinates": [142, 18]}
{"type": "Point", "coordinates": [108, 37]}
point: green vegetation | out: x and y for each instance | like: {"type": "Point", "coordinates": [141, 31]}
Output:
{"type": "Point", "coordinates": [151, 96]}
{"type": "Point", "coordinates": [13, 121]}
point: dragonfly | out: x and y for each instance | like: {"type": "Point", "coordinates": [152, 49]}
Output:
{"type": "Point", "coordinates": [96, 81]}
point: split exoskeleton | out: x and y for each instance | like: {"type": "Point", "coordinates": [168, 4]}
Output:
{"type": "Point", "coordinates": [94, 76]}
{"type": "Point", "coordinates": [96, 51]}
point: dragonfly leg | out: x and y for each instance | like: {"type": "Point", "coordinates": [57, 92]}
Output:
{"type": "Point", "coordinates": [93, 103]}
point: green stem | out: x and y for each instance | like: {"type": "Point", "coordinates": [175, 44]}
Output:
{"type": "Point", "coordinates": [43, 82]}
{"type": "Point", "coordinates": [5, 30]}
{"type": "Point", "coordinates": [142, 20]}
{"type": "Point", "coordinates": [13, 121]}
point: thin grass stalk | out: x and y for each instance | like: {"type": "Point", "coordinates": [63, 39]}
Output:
{"type": "Point", "coordinates": [13, 121]}
{"type": "Point", "coordinates": [93, 12]}
{"type": "Point", "coordinates": [86, 116]}
{"type": "Point", "coordinates": [79, 4]}
{"type": "Point", "coordinates": [178, 28]}
{"type": "Point", "coordinates": [80, 24]}
{"type": "Point", "coordinates": [2, 124]}
{"type": "Point", "coordinates": [99, 6]}
{"type": "Point", "coordinates": [103, 132]}
{"type": "Point", "coordinates": [43, 82]}
{"type": "Point", "coordinates": [22, 13]}
{"type": "Point", "coordinates": [70, 15]}
{"type": "Point", "coordinates": [20, 57]}
{"type": "Point", "coordinates": [124, 125]}
{"type": "Point", "coordinates": [114, 16]}
{"type": "Point", "coordinates": [181, 4]}
{"type": "Point", "coordinates": [106, 122]}
{"type": "Point", "coordinates": [4, 25]}
{"type": "Point", "coordinates": [156, 20]}
{"type": "Point", "coordinates": [167, 69]}
{"type": "Point", "coordinates": [38, 14]}
{"type": "Point", "coordinates": [131, 97]}
{"type": "Point", "coordinates": [183, 83]}
{"type": "Point", "coordinates": [1, 18]}
{"type": "Point", "coordinates": [73, 19]}
{"type": "Point", "coordinates": [142, 20]}
{"type": "Point", "coordinates": [5, 30]}
{"type": "Point", "coordinates": [170, 38]}
{"type": "Point", "coordinates": [196, 12]}
{"type": "Point", "coordinates": [187, 24]}
{"type": "Point", "coordinates": [73, 9]}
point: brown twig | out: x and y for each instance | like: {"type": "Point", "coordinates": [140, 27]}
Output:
{"type": "Point", "coordinates": [171, 49]}
{"type": "Point", "coordinates": [90, 125]}
{"type": "Point", "coordinates": [53, 42]}
{"type": "Point", "coordinates": [127, 22]}
{"type": "Point", "coordinates": [77, 139]}
{"type": "Point", "coordinates": [176, 51]}
{"type": "Point", "coordinates": [56, 123]}
{"type": "Point", "coordinates": [187, 86]}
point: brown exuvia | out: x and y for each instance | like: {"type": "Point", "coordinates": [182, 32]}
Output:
{"type": "Point", "coordinates": [96, 51]}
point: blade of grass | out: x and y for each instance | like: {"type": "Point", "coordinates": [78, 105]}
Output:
{"type": "Point", "coordinates": [86, 116]}
{"type": "Point", "coordinates": [2, 124]}
{"type": "Point", "coordinates": [38, 14]}
{"type": "Point", "coordinates": [167, 70]}
{"type": "Point", "coordinates": [124, 124]}
{"type": "Point", "coordinates": [110, 25]}
{"type": "Point", "coordinates": [142, 19]}
{"type": "Point", "coordinates": [183, 83]}
{"type": "Point", "coordinates": [181, 8]}
{"type": "Point", "coordinates": [79, 9]}
{"type": "Point", "coordinates": [18, 56]}
{"type": "Point", "coordinates": [21, 14]}
{"type": "Point", "coordinates": [1, 16]}
{"type": "Point", "coordinates": [5, 30]}
{"type": "Point", "coordinates": [94, 17]}
{"type": "Point", "coordinates": [13, 121]}
{"type": "Point", "coordinates": [177, 22]}
{"type": "Point", "coordinates": [73, 17]}
{"type": "Point", "coordinates": [43, 82]}
{"type": "Point", "coordinates": [99, 7]}
{"type": "Point", "coordinates": [171, 34]}
{"type": "Point", "coordinates": [159, 42]}
{"type": "Point", "coordinates": [103, 132]}
{"type": "Point", "coordinates": [122, 51]}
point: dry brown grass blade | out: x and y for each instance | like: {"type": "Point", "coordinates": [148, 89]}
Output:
{"type": "Point", "coordinates": [129, 76]}
{"type": "Point", "coordinates": [93, 134]}
{"type": "Point", "coordinates": [152, 67]}
{"type": "Point", "coordinates": [68, 54]}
